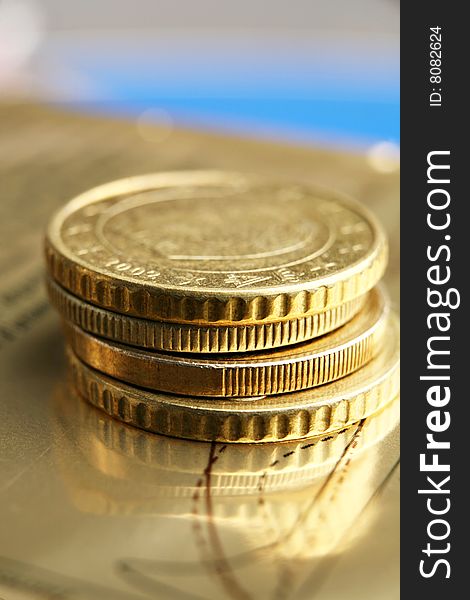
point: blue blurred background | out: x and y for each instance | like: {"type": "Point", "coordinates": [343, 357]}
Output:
{"type": "Point", "coordinates": [311, 71]}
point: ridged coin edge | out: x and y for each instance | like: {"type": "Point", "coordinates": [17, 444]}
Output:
{"type": "Point", "coordinates": [174, 337]}
{"type": "Point", "coordinates": [142, 301]}
{"type": "Point", "coordinates": [160, 416]}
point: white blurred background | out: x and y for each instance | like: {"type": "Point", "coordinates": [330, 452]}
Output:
{"type": "Point", "coordinates": [311, 71]}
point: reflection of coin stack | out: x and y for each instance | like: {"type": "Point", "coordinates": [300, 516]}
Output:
{"type": "Point", "coordinates": [218, 306]}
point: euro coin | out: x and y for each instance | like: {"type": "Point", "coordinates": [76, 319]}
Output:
{"type": "Point", "coordinates": [261, 419]}
{"type": "Point", "coordinates": [174, 467]}
{"type": "Point", "coordinates": [276, 371]}
{"type": "Point", "coordinates": [176, 337]}
{"type": "Point", "coordinates": [214, 248]}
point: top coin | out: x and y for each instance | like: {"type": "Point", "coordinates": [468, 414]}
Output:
{"type": "Point", "coordinates": [214, 247]}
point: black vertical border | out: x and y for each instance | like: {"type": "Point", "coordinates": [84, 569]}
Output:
{"type": "Point", "coordinates": [425, 129]}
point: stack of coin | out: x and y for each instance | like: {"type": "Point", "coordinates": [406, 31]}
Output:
{"type": "Point", "coordinates": [221, 306]}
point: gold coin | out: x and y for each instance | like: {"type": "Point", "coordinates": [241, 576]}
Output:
{"type": "Point", "coordinates": [250, 374]}
{"type": "Point", "coordinates": [175, 337]}
{"type": "Point", "coordinates": [173, 467]}
{"type": "Point", "coordinates": [214, 247]}
{"type": "Point", "coordinates": [263, 419]}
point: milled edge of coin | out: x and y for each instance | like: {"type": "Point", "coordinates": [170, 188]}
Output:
{"type": "Point", "coordinates": [161, 453]}
{"type": "Point", "coordinates": [177, 478]}
{"type": "Point", "coordinates": [189, 306]}
{"type": "Point", "coordinates": [174, 337]}
{"type": "Point", "coordinates": [278, 467]}
{"type": "Point", "coordinates": [122, 451]}
{"type": "Point", "coordinates": [279, 371]}
{"type": "Point", "coordinates": [269, 419]}
{"type": "Point", "coordinates": [103, 494]}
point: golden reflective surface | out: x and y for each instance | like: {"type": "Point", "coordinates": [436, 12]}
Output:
{"type": "Point", "coordinates": [93, 509]}
{"type": "Point", "coordinates": [145, 513]}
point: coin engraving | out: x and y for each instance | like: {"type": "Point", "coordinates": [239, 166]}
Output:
{"type": "Point", "coordinates": [215, 231]}
{"type": "Point", "coordinates": [228, 247]}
